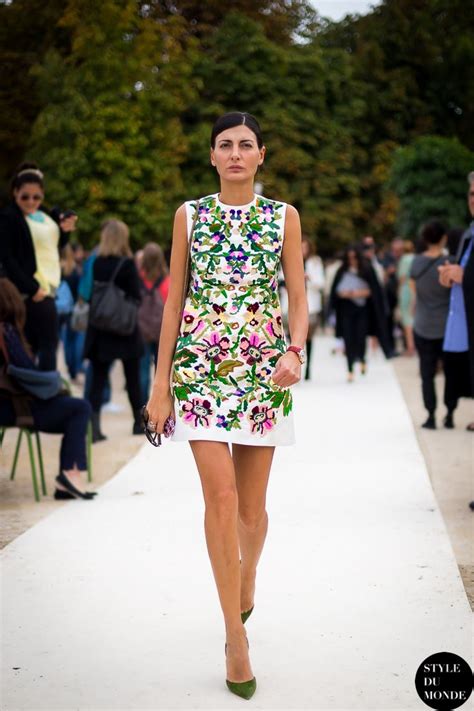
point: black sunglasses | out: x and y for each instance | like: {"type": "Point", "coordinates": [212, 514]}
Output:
{"type": "Point", "coordinates": [25, 197]}
{"type": "Point", "coordinates": [153, 437]}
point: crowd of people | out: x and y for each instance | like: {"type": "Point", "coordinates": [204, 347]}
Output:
{"type": "Point", "coordinates": [412, 298]}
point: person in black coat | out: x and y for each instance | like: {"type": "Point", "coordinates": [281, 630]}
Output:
{"type": "Point", "coordinates": [33, 276]}
{"type": "Point", "coordinates": [103, 347]}
{"type": "Point", "coordinates": [462, 274]}
{"type": "Point", "coordinates": [358, 302]}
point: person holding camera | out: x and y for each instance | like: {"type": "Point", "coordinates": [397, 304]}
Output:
{"type": "Point", "coordinates": [30, 239]}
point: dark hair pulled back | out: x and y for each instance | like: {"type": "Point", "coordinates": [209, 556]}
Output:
{"type": "Point", "coordinates": [236, 118]}
{"type": "Point", "coordinates": [27, 173]}
{"type": "Point", "coordinates": [432, 232]}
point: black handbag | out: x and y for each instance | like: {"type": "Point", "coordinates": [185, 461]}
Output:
{"type": "Point", "coordinates": [111, 309]}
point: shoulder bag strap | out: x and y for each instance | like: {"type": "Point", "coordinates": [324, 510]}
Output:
{"type": "Point", "coordinates": [157, 283]}
{"type": "Point", "coordinates": [117, 269]}
{"type": "Point", "coordinates": [188, 259]}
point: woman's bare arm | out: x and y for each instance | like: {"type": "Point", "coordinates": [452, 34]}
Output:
{"type": "Point", "coordinates": [293, 269]}
{"type": "Point", "coordinates": [160, 404]}
{"type": "Point", "coordinates": [288, 368]}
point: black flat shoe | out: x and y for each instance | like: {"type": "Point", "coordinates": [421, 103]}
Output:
{"type": "Point", "coordinates": [448, 421]}
{"type": "Point", "coordinates": [61, 495]}
{"type": "Point", "coordinates": [430, 423]}
{"type": "Point", "coordinates": [71, 489]}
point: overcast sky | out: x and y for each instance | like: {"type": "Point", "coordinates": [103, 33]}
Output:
{"type": "Point", "coordinates": [336, 9]}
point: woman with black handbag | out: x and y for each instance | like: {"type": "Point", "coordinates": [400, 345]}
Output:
{"type": "Point", "coordinates": [114, 269]}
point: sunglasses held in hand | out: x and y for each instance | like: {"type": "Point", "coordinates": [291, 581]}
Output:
{"type": "Point", "coordinates": [149, 428]}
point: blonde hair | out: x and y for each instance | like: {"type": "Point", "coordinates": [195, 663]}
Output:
{"type": "Point", "coordinates": [153, 261]}
{"type": "Point", "coordinates": [408, 246]}
{"type": "Point", "coordinates": [114, 239]}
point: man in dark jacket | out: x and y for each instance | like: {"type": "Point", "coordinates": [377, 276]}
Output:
{"type": "Point", "coordinates": [460, 277]}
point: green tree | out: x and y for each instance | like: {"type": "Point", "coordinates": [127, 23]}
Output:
{"type": "Point", "coordinates": [109, 138]}
{"type": "Point", "coordinates": [23, 45]}
{"type": "Point", "coordinates": [429, 179]}
{"type": "Point", "coordinates": [305, 101]}
{"type": "Point", "coordinates": [413, 59]}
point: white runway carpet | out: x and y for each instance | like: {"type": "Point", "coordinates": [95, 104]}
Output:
{"type": "Point", "coordinates": [111, 604]}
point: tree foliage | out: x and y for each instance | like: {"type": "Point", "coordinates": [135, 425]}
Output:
{"type": "Point", "coordinates": [429, 176]}
{"type": "Point", "coordinates": [116, 100]}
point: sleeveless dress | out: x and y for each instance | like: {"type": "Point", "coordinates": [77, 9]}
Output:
{"type": "Point", "coordinates": [231, 335]}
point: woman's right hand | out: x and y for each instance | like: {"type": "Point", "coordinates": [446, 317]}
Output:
{"type": "Point", "coordinates": [160, 407]}
{"type": "Point", "coordinates": [40, 295]}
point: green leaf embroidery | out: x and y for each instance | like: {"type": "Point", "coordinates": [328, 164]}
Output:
{"type": "Point", "coordinates": [227, 366]}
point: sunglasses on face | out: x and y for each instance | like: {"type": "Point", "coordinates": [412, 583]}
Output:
{"type": "Point", "coordinates": [26, 197]}
{"type": "Point", "coordinates": [153, 437]}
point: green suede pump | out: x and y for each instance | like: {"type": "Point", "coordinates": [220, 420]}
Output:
{"type": "Point", "coordinates": [246, 614]}
{"type": "Point", "coordinates": [244, 689]}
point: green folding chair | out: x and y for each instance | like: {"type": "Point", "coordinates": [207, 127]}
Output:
{"type": "Point", "coordinates": [29, 433]}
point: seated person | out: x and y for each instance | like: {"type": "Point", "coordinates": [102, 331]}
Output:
{"type": "Point", "coordinates": [61, 414]}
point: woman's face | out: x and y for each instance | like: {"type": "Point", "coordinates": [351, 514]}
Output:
{"type": "Point", "coordinates": [236, 154]}
{"type": "Point", "coordinates": [305, 248]}
{"type": "Point", "coordinates": [29, 197]}
{"type": "Point", "coordinates": [351, 256]}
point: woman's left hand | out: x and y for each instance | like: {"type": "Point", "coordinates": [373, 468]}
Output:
{"type": "Point", "coordinates": [68, 224]}
{"type": "Point", "coordinates": [287, 370]}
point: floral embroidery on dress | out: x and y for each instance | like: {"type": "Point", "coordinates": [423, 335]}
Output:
{"type": "Point", "coordinates": [197, 412]}
{"type": "Point", "coordinates": [231, 333]}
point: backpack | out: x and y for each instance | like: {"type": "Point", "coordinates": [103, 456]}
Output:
{"type": "Point", "coordinates": [150, 313]}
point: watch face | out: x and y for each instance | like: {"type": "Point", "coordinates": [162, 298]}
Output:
{"type": "Point", "coordinates": [302, 356]}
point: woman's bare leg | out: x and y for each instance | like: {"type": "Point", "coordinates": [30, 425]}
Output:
{"type": "Point", "coordinates": [216, 470]}
{"type": "Point", "coordinates": [252, 466]}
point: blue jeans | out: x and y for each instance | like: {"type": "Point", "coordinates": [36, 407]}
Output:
{"type": "Point", "coordinates": [73, 342]}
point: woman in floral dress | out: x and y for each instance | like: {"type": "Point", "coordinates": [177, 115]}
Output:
{"type": "Point", "coordinates": [224, 368]}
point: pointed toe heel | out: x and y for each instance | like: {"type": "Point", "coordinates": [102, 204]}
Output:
{"type": "Point", "coordinates": [246, 614]}
{"type": "Point", "coordinates": [244, 689]}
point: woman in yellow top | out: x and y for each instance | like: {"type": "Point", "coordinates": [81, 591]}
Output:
{"type": "Point", "coordinates": [30, 239]}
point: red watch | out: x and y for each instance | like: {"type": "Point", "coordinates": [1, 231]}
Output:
{"type": "Point", "coordinates": [300, 352]}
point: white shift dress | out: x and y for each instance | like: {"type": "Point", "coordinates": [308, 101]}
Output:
{"type": "Point", "coordinates": [231, 334]}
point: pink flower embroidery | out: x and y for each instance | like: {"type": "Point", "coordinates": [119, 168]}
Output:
{"type": "Point", "coordinates": [191, 324]}
{"type": "Point", "coordinates": [268, 213]}
{"type": "Point", "coordinates": [216, 347]}
{"type": "Point", "coordinates": [262, 418]}
{"type": "Point", "coordinates": [198, 412]}
{"type": "Point", "coordinates": [253, 349]}
{"type": "Point", "coordinates": [272, 331]}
